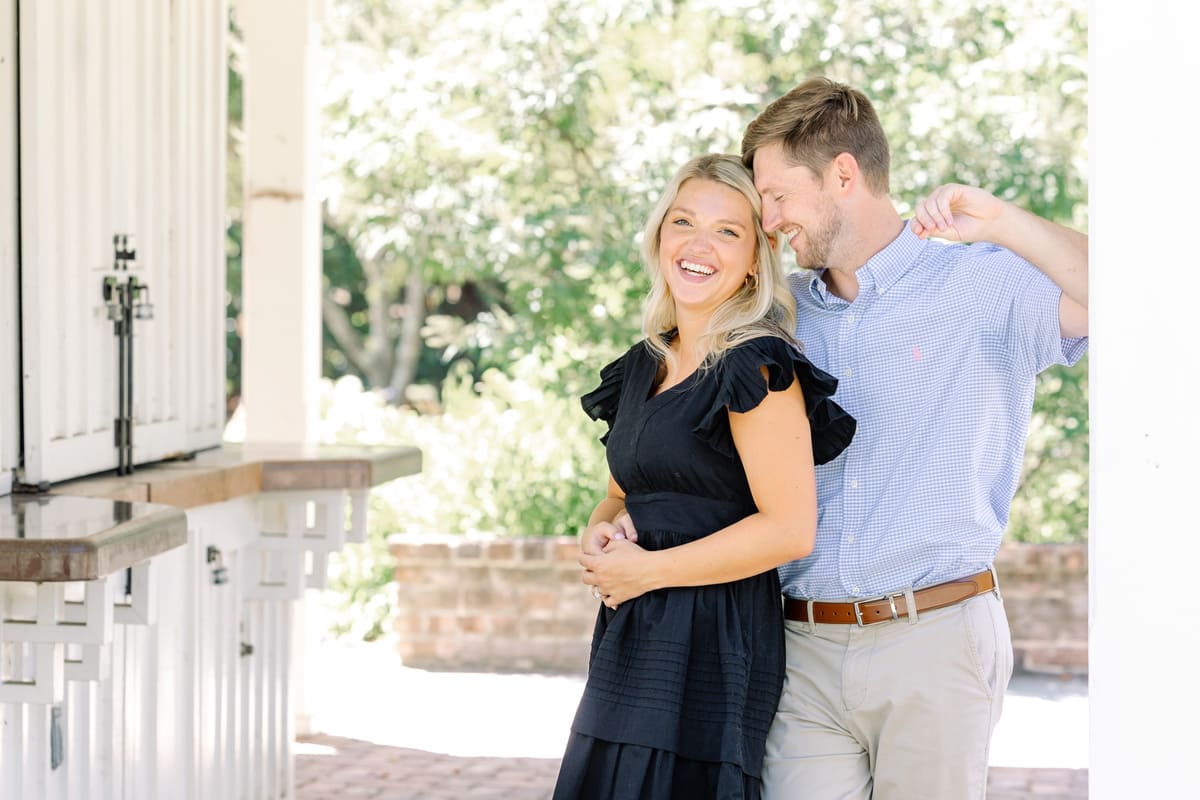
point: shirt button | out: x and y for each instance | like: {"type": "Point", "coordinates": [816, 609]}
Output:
{"type": "Point", "coordinates": [850, 539]}
{"type": "Point", "coordinates": [850, 318]}
{"type": "Point", "coordinates": [848, 373]}
{"type": "Point", "coordinates": [854, 484]}
{"type": "Point", "coordinates": [854, 590]}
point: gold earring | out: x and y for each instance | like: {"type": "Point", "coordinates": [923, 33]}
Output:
{"type": "Point", "coordinates": [752, 281]}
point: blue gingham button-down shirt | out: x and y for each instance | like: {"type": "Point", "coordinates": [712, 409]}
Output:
{"type": "Point", "coordinates": [936, 359]}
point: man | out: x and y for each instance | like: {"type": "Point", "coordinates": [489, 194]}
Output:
{"type": "Point", "coordinates": [936, 348]}
{"type": "Point", "coordinates": [898, 648]}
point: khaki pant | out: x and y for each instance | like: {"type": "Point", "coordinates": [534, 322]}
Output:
{"type": "Point", "coordinates": [891, 711]}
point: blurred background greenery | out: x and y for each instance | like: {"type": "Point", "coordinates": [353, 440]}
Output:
{"type": "Point", "coordinates": [487, 166]}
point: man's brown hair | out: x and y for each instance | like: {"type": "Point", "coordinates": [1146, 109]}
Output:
{"type": "Point", "coordinates": [819, 120]}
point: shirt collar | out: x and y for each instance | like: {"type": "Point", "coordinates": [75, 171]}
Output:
{"type": "Point", "coordinates": [881, 271]}
{"type": "Point", "coordinates": [889, 264]}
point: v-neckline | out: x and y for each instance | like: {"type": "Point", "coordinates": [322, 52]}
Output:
{"type": "Point", "coordinates": [652, 370]}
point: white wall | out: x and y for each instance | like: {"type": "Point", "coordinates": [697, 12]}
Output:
{"type": "Point", "coordinates": [9, 378]}
{"type": "Point", "coordinates": [1145, 538]}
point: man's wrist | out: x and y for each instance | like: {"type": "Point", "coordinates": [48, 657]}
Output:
{"type": "Point", "coordinates": [1007, 226]}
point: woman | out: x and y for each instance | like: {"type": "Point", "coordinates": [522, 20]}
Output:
{"type": "Point", "coordinates": [711, 446]}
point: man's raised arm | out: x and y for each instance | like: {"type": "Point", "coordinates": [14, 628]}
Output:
{"type": "Point", "coordinates": [967, 214]}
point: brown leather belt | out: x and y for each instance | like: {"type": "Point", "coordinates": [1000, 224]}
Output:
{"type": "Point", "coordinates": [893, 606]}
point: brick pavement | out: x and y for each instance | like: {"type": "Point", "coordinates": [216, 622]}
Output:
{"type": "Point", "coordinates": [335, 768]}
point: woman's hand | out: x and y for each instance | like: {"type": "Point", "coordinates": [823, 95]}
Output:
{"type": "Point", "coordinates": [596, 537]}
{"type": "Point", "coordinates": [621, 572]}
{"type": "Point", "coordinates": [625, 523]}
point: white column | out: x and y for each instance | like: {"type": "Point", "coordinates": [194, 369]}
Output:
{"type": "Point", "coordinates": [1145, 423]}
{"type": "Point", "coordinates": [281, 249]}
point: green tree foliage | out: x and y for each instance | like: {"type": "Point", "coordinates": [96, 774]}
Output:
{"type": "Point", "coordinates": [489, 163]}
{"type": "Point", "coordinates": [233, 221]}
{"type": "Point", "coordinates": [507, 453]}
{"type": "Point", "coordinates": [1052, 499]}
{"type": "Point", "coordinates": [505, 154]}
{"type": "Point", "coordinates": [488, 167]}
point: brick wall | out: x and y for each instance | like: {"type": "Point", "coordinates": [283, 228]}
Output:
{"type": "Point", "coordinates": [517, 604]}
{"type": "Point", "coordinates": [502, 603]}
{"type": "Point", "coordinates": [1045, 588]}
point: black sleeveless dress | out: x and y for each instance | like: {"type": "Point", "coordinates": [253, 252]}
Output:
{"type": "Point", "coordinates": [683, 682]}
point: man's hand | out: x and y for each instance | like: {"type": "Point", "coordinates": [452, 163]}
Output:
{"type": "Point", "coordinates": [958, 213]}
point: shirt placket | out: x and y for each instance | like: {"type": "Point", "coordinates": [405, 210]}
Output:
{"type": "Point", "coordinates": [855, 490]}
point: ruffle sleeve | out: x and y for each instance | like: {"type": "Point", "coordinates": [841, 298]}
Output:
{"type": "Point", "coordinates": [740, 388]}
{"type": "Point", "coordinates": [602, 402]}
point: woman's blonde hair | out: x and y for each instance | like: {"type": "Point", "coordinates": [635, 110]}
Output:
{"type": "Point", "coordinates": [763, 306]}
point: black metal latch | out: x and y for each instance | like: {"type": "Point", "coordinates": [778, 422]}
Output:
{"type": "Point", "coordinates": [125, 302]}
{"type": "Point", "coordinates": [220, 574]}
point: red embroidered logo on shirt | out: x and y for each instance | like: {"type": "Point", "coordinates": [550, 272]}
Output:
{"type": "Point", "coordinates": [916, 353]}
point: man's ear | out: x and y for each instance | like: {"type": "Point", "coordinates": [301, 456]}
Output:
{"type": "Point", "coordinates": [843, 173]}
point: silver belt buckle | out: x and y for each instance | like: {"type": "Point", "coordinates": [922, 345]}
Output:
{"type": "Point", "coordinates": [995, 582]}
{"type": "Point", "coordinates": [891, 598]}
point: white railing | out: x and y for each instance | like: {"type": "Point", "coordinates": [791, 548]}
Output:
{"type": "Point", "coordinates": [184, 685]}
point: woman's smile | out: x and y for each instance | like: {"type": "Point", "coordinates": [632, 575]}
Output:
{"type": "Point", "coordinates": [708, 245]}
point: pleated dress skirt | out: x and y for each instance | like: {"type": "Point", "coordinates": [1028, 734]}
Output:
{"type": "Point", "coordinates": [682, 685]}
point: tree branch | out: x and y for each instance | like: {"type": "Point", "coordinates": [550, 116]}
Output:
{"type": "Point", "coordinates": [338, 322]}
{"type": "Point", "coordinates": [408, 343]}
